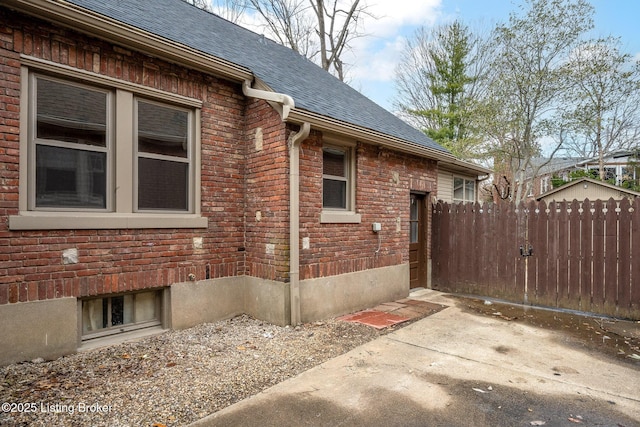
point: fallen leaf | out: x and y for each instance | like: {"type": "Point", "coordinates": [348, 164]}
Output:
{"type": "Point", "coordinates": [126, 356]}
{"type": "Point", "coordinates": [575, 420]}
{"type": "Point", "coordinates": [170, 364]}
{"type": "Point", "coordinates": [241, 347]}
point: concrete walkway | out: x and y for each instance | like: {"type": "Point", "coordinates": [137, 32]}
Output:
{"type": "Point", "coordinates": [451, 368]}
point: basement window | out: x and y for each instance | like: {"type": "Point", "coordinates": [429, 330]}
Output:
{"type": "Point", "coordinates": [118, 313]}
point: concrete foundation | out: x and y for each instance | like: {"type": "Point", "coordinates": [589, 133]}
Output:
{"type": "Point", "coordinates": [204, 301]}
{"type": "Point", "coordinates": [267, 300]}
{"type": "Point", "coordinates": [331, 296]}
{"type": "Point", "coordinates": [192, 303]}
{"type": "Point", "coordinates": [49, 329]}
{"type": "Point", "coordinates": [46, 329]}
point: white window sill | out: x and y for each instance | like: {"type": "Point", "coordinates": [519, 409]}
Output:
{"type": "Point", "coordinates": [339, 217]}
{"type": "Point", "coordinates": [102, 221]}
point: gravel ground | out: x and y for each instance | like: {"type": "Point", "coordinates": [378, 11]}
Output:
{"type": "Point", "coordinates": [178, 377]}
{"type": "Point", "coordinates": [170, 379]}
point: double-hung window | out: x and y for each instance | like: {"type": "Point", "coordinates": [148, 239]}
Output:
{"type": "Point", "coordinates": [162, 157]}
{"type": "Point", "coordinates": [72, 146]}
{"type": "Point", "coordinates": [102, 153]}
{"type": "Point", "coordinates": [335, 178]}
{"type": "Point", "coordinates": [338, 184]}
{"type": "Point", "coordinates": [464, 190]}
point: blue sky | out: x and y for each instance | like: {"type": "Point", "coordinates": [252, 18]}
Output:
{"type": "Point", "coordinates": [376, 56]}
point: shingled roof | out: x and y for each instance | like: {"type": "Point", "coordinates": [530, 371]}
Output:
{"type": "Point", "coordinates": [279, 67]}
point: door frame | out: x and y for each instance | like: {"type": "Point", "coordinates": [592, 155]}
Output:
{"type": "Point", "coordinates": [418, 239]}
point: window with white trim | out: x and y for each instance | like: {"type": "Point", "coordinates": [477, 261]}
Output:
{"type": "Point", "coordinates": [116, 154]}
{"type": "Point", "coordinates": [464, 190]}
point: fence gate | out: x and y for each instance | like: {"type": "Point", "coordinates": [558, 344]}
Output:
{"type": "Point", "coordinates": [576, 255]}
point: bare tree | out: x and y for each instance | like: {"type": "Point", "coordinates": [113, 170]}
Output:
{"type": "Point", "coordinates": [202, 4]}
{"type": "Point", "coordinates": [321, 30]}
{"type": "Point", "coordinates": [289, 22]}
{"type": "Point", "coordinates": [231, 10]}
{"type": "Point", "coordinates": [528, 82]}
{"type": "Point", "coordinates": [605, 101]}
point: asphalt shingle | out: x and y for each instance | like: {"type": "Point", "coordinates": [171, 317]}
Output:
{"type": "Point", "coordinates": [281, 68]}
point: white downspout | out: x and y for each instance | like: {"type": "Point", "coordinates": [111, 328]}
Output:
{"type": "Point", "coordinates": [284, 104]}
{"type": "Point", "coordinates": [294, 220]}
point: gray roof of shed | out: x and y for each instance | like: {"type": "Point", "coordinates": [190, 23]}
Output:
{"type": "Point", "coordinates": [282, 69]}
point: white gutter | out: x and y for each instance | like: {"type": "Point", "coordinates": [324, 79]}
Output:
{"type": "Point", "coordinates": [370, 136]}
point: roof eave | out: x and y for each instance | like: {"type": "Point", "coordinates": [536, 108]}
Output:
{"type": "Point", "coordinates": [78, 18]}
{"type": "Point", "coordinates": [462, 166]}
{"type": "Point", "coordinates": [364, 134]}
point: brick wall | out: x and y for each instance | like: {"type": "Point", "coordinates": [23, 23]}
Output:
{"type": "Point", "coordinates": [244, 187]}
{"type": "Point", "coordinates": [267, 193]}
{"type": "Point", "coordinates": [31, 263]}
{"type": "Point", "coordinates": [383, 184]}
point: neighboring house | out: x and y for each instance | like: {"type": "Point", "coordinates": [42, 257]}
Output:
{"type": "Point", "coordinates": [586, 188]}
{"type": "Point", "coordinates": [618, 166]}
{"type": "Point", "coordinates": [162, 167]}
{"type": "Point", "coordinates": [458, 182]}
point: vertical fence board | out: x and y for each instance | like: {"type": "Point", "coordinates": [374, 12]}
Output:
{"type": "Point", "coordinates": [586, 281]}
{"type": "Point", "coordinates": [484, 247]}
{"type": "Point", "coordinates": [610, 282]}
{"type": "Point", "coordinates": [597, 294]}
{"type": "Point", "coordinates": [625, 260]}
{"type": "Point", "coordinates": [549, 289]}
{"type": "Point", "coordinates": [436, 232]}
{"type": "Point", "coordinates": [575, 258]}
{"type": "Point", "coordinates": [562, 285]}
{"type": "Point", "coordinates": [635, 266]}
{"type": "Point", "coordinates": [582, 256]}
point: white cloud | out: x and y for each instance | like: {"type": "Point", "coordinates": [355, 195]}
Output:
{"type": "Point", "coordinates": [374, 57]}
{"type": "Point", "coordinates": [396, 14]}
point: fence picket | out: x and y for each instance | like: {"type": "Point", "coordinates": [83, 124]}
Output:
{"type": "Point", "coordinates": [582, 257]}
{"type": "Point", "coordinates": [625, 260]}
{"type": "Point", "coordinates": [575, 258]}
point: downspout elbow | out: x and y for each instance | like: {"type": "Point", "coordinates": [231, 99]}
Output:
{"type": "Point", "coordinates": [285, 102]}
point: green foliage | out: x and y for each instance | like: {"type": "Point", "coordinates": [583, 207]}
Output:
{"type": "Point", "coordinates": [557, 181]}
{"type": "Point", "coordinates": [440, 86]}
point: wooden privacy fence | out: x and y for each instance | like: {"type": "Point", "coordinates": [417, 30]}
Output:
{"type": "Point", "coordinates": [577, 255]}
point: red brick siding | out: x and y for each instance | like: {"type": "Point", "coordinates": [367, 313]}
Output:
{"type": "Point", "coordinates": [31, 266]}
{"type": "Point", "coordinates": [267, 192]}
{"type": "Point", "coordinates": [381, 197]}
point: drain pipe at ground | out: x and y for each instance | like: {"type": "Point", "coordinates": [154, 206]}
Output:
{"type": "Point", "coordinates": [294, 220]}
